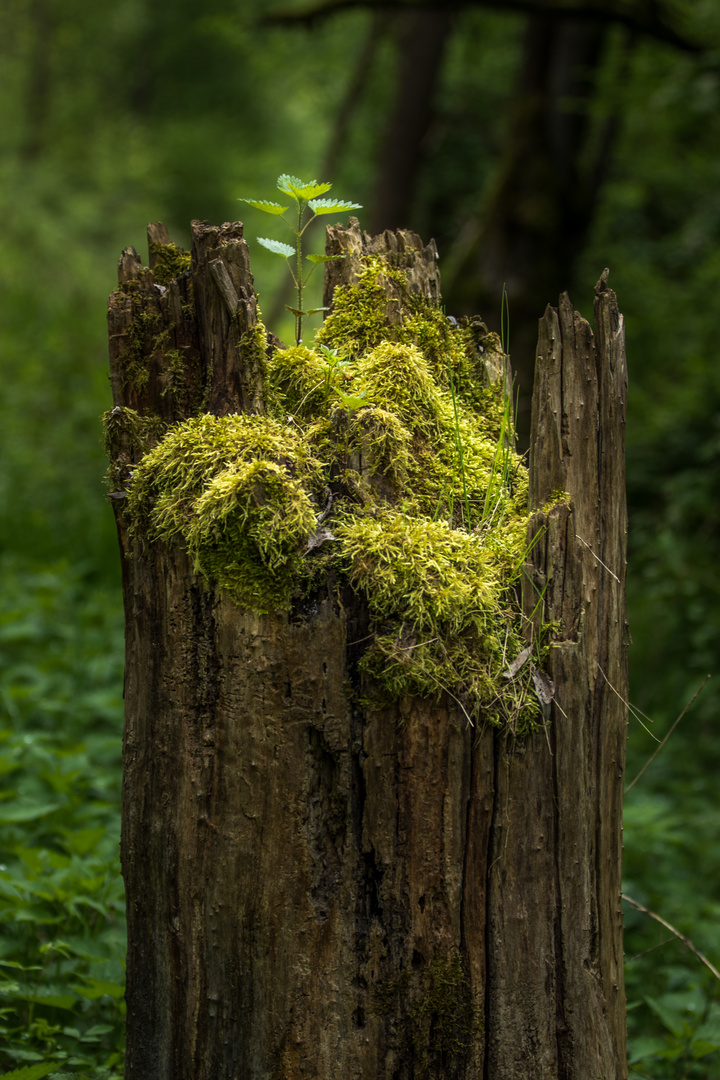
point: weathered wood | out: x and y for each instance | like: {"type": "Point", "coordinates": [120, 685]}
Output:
{"type": "Point", "coordinates": [180, 346]}
{"type": "Point", "coordinates": [554, 890]}
{"type": "Point", "coordinates": [318, 886]}
{"type": "Point", "coordinates": [402, 250]}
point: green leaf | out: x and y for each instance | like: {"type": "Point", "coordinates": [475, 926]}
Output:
{"type": "Point", "coordinates": [323, 258]}
{"type": "Point", "coordinates": [316, 310]}
{"type": "Point", "coordinates": [97, 988]}
{"type": "Point", "coordinates": [332, 206]}
{"type": "Point", "coordinates": [352, 401]}
{"type": "Point", "coordinates": [671, 1017]}
{"type": "Point", "coordinates": [20, 814]}
{"type": "Point", "coordinates": [82, 841]}
{"type": "Point", "coordinates": [644, 1047]}
{"type": "Point", "coordinates": [277, 247]}
{"type": "Point", "coordinates": [96, 1032]}
{"type": "Point", "coordinates": [49, 1000]}
{"type": "Point", "coordinates": [301, 189]}
{"type": "Point", "coordinates": [31, 1072]}
{"type": "Point", "coordinates": [294, 311]}
{"type": "Point", "coordinates": [267, 207]}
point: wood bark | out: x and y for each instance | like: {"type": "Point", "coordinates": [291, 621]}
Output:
{"type": "Point", "coordinates": [319, 886]}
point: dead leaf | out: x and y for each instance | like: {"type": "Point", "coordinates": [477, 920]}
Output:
{"type": "Point", "coordinates": [517, 663]}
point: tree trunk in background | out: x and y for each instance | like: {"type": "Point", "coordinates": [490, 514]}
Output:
{"type": "Point", "coordinates": [421, 39]}
{"type": "Point", "coordinates": [318, 887]}
{"type": "Point", "coordinates": [535, 217]}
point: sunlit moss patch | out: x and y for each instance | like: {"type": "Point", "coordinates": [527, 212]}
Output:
{"type": "Point", "coordinates": [239, 492]}
{"type": "Point", "coordinates": [170, 262]}
{"type": "Point", "coordinates": [385, 454]}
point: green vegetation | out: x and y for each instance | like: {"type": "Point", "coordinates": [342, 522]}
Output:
{"type": "Point", "coordinates": [305, 194]}
{"type": "Point", "coordinates": [61, 898]}
{"type": "Point", "coordinates": [112, 119]}
{"type": "Point", "coordinates": [428, 516]}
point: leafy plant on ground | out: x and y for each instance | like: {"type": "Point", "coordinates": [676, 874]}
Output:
{"type": "Point", "coordinates": [62, 935]}
{"type": "Point", "coordinates": [672, 850]}
{"type": "Point", "coordinates": [305, 194]}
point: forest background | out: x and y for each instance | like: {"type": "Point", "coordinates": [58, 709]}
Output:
{"type": "Point", "coordinates": [538, 141]}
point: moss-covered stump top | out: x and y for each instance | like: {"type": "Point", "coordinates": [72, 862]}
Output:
{"type": "Point", "coordinates": [384, 462]}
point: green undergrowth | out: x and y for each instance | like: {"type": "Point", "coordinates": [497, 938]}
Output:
{"type": "Point", "coordinates": [384, 460]}
{"type": "Point", "coordinates": [62, 917]}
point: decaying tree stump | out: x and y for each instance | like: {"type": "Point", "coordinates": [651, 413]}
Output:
{"type": "Point", "coordinates": [321, 884]}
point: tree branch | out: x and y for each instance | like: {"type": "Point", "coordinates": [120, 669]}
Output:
{"type": "Point", "coordinates": [650, 22]}
{"type": "Point", "coordinates": [681, 937]}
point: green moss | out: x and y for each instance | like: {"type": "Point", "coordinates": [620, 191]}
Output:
{"type": "Point", "coordinates": [358, 320]}
{"type": "Point", "coordinates": [435, 1011]}
{"type": "Point", "coordinates": [169, 262]}
{"type": "Point", "coordinates": [127, 438]}
{"type": "Point", "coordinates": [238, 491]}
{"type": "Point", "coordinates": [382, 441]}
{"type": "Point", "coordinates": [253, 349]}
{"type": "Point", "coordinates": [398, 376]}
{"type": "Point", "coordinates": [429, 515]}
{"type": "Point", "coordinates": [555, 497]}
{"type": "Point", "coordinates": [445, 1019]}
{"type": "Point", "coordinates": [296, 381]}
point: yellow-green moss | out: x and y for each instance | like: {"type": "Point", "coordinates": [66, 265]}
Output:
{"type": "Point", "coordinates": [127, 438]}
{"type": "Point", "coordinates": [239, 492]}
{"type": "Point", "coordinates": [170, 262]}
{"type": "Point", "coordinates": [296, 381]}
{"type": "Point", "coordinates": [429, 518]}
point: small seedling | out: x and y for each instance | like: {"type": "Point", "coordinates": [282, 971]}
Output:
{"type": "Point", "coordinates": [305, 195]}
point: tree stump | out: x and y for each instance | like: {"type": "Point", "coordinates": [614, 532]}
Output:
{"type": "Point", "coordinates": [321, 883]}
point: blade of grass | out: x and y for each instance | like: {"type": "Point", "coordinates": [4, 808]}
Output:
{"type": "Point", "coordinates": [650, 760]}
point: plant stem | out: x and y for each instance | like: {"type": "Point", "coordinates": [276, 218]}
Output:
{"type": "Point", "coordinates": [504, 321]}
{"type": "Point", "coordinates": [458, 442]}
{"type": "Point", "coordinates": [298, 327]}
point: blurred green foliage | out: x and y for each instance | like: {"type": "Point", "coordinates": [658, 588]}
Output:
{"type": "Point", "coordinates": [62, 932]}
{"type": "Point", "coordinates": [144, 112]}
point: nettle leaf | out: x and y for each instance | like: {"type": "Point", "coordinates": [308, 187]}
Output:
{"type": "Point", "coordinates": [323, 258]}
{"type": "Point", "coordinates": [332, 206]}
{"type": "Point", "coordinates": [352, 401]}
{"type": "Point", "coordinates": [32, 1072]}
{"type": "Point", "coordinates": [301, 189]}
{"type": "Point", "coordinates": [267, 207]}
{"type": "Point", "coordinates": [277, 247]}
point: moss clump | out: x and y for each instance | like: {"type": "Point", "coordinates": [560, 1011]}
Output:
{"type": "Point", "coordinates": [239, 491]}
{"type": "Point", "coordinates": [127, 438]}
{"type": "Point", "coordinates": [429, 509]}
{"type": "Point", "coordinates": [169, 262]}
{"type": "Point", "coordinates": [445, 1019]}
{"type": "Point", "coordinates": [398, 375]}
{"type": "Point", "coordinates": [439, 600]}
{"type": "Point", "coordinates": [298, 381]}
{"type": "Point", "coordinates": [383, 443]}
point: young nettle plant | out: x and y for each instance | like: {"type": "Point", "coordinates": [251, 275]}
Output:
{"type": "Point", "coordinates": [305, 194]}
